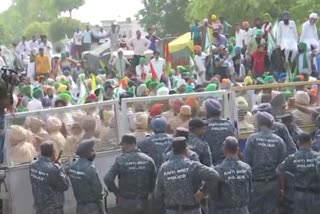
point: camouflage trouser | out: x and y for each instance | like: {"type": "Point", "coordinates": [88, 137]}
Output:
{"type": "Point", "coordinates": [92, 208]}
{"type": "Point", "coordinates": [195, 211]}
{"type": "Point", "coordinates": [264, 199]}
{"type": "Point", "coordinates": [134, 206]}
{"type": "Point", "coordinates": [306, 203]}
{"type": "Point", "coordinates": [50, 210]}
{"type": "Point", "coordinates": [243, 210]}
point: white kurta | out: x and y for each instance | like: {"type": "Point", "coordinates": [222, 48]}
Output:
{"type": "Point", "coordinates": [287, 35]}
{"type": "Point", "coordinates": [309, 34]}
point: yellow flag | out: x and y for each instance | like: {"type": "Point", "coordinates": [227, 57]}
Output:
{"type": "Point", "coordinates": [102, 65]}
{"type": "Point", "coordinates": [93, 82]}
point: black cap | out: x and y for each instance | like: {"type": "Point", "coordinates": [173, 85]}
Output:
{"type": "Point", "coordinates": [156, 52]}
{"type": "Point", "coordinates": [128, 139]}
{"type": "Point", "coordinates": [196, 123]}
{"type": "Point", "coordinates": [286, 118]}
{"type": "Point", "coordinates": [179, 144]}
{"type": "Point", "coordinates": [304, 138]}
{"type": "Point", "coordinates": [182, 132]}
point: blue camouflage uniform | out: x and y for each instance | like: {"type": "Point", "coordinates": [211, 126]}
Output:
{"type": "Point", "coordinates": [238, 176]}
{"type": "Point", "coordinates": [316, 141]}
{"type": "Point", "coordinates": [191, 155]}
{"type": "Point", "coordinates": [201, 148]}
{"type": "Point", "coordinates": [264, 152]}
{"type": "Point", "coordinates": [218, 130]}
{"type": "Point", "coordinates": [281, 130]}
{"type": "Point", "coordinates": [48, 183]}
{"type": "Point", "coordinates": [156, 146]}
{"type": "Point", "coordinates": [178, 180]}
{"type": "Point", "coordinates": [136, 174]}
{"type": "Point", "coordinates": [303, 165]}
{"type": "Point", "coordinates": [86, 186]}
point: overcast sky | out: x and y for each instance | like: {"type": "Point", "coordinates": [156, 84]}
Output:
{"type": "Point", "coordinates": [95, 10]}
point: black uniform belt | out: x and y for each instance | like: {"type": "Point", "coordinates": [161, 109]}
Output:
{"type": "Point", "coordinates": [265, 179]}
{"type": "Point", "coordinates": [183, 207]}
{"type": "Point", "coordinates": [308, 190]}
{"type": "Point", "coordinates": [88, 202]}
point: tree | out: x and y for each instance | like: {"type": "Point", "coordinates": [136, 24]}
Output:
{"type": "Point", "coordinates": [68, 5]}
{"type": "Point", "coordinates": [36, 28]}
{"type": "Point", "coordinates": [167, 17]}
{"type": "Point", "coordinates": [60, 27]}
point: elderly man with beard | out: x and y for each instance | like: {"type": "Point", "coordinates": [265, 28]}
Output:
{"type": "Point", "coordinates": [309, 34]}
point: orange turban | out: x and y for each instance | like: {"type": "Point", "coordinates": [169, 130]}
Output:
{"type": "Point", "coordinates": [191, 101]}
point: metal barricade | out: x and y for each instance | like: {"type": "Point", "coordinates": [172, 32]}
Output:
{"type": "Point", "coordinates": [252, 95]}
{"type": "Point", "coordinates": [130, 106]}
{"type": "Point", "coordinates": [65, 127]}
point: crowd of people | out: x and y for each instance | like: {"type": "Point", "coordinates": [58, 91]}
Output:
{"type": "Point", "coordinates": [182, 163]}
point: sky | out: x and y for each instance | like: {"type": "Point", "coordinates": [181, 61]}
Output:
{"type": "Point", "coordinates": [96, 10]}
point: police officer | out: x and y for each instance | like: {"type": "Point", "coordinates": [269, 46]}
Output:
{"type": "Point", "coordinates": [279, 129]}
{"type": "Point", "coordinates": [303, 165]}
{"type": "Point", "coordinates": [264, 152]}
{"type": "Point", "coordinates": [48, 182]}
{"type": "Point", "coordinates": [157, 145]}
{"type": "Point", "coordinates": [179, 180]}
{"type": "Point", "coordinates": [182, 132]}
{"type": "Point", "coordinates": [238, 176]}
{"type": "Point", "coordinates": [197, 128]}
{"type": "Point", "coordinates": [136, 173]}
{"type": "Point", "coordinates": [217, 131]}
{"type": "Point", "coordinates": [85, 182]}
{"type": "Point", "coordinates": [294, 130]}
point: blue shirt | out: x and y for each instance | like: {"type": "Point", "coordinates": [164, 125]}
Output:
{"type": "Point", "coordinates": [196, 31]}
{"type": "Point", "coordinates": [87, 37]}
{"type": "Point", "coordinates": [152, 39]}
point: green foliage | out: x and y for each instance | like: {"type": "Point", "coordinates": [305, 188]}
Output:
{"type": "Point", "coordinates": [167, 17]}
{"type": "Point", "coordinates": [62, 26]}
{"type": "Point", "coordinates": [36, 28]}
{"type": "Point", "coordinates": [67, 5]}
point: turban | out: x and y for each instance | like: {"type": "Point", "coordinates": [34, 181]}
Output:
{"type": "Point", "coordinates": [141, 90]}
{"type": "Point", "coordinates": [141, 120]}
{"type": "Point", "coordinates": [267, 16]}
{"type": "Point", "coordinates": [161, 85]}
{"type": "Point", "coordinates": [189, 89]}
{"type": "Point", "coordinates": [213, 107]}
{"type": "Point", "coordinates": [56, 85]}
{"type": "Point", "coordinates": [142, 60]}
{"type": "Point", "coordinates": [248, 81]}
{"type": "Point", "coordinates": [156, 109]}
{"type": "Point", "coordinates": [185, 110]}
{"type": "Point", "coordinates": [37, 93]}
{"type": "Point", "coordinates": [65, 97]}
{"type": "Point", "coordinates": [302, 98]}
{"type": "Point", "coordinates": [287, 94]}
{"type": "Point", "coordinates": [268, 80]}
{"type": "Point", "coordinates": [259, 33]}
{"type": "Point", "coordinates": [242, 104]}
{"type": "Point", "coordinates": [163, 91]}
{"type": "Point", "coordinates": [92, 97]}
{"type": "Point", "coordinates": [197, 48]}
{"type": "Point", "coordinates": [27, 90]}
{"type": "Point", "coordinates": [176, 105]}
{"type": "Point", "coordinates": [88, 123]}
{"type": "Point", "coordinates": [191, 101]}
{"type": "Point", "coordinates": [226, 83]}
{"type": "Point", "coordinates": [107, 115]}
{"type": "Point", "coordinates": [205, 20]}
{"type": "Point", "coordinates": [211, 87]}
{"type": "Point", "coordinates": [278, 101]}
{"type": "Point", "coordinates": [237, 49]}
{"type": "Point", "coordinates": [18, 133]}
{"type": "Point", "coordinates": [159, 124]}
{"type": "Point", "coordinates": [313, 16]}
{"type": "Point", "coordinates": [62, 88]}
{"type": "Point", "coordinates": [232, 39]}
{"type": "Point", "coordinates": [153, 85]}
{"type": "Point", "coordinates": [265, 119]}
{"type": "Point", "coordinates": [54, 124]}
{"type": "Point", "coordinates": [214, 17]}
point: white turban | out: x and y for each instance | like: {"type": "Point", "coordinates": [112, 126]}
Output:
{"type": "Point", "coordinates": [163, 91]}
{"type": "Point", "coordinates": [313, 16]}
{"type": "Point", "coordinates": [180, 83]}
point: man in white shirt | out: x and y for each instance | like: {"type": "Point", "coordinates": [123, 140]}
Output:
{"type": "Point", "coordinates": [33, 44]}
{"type": "Point", "coordinates": [309, 34]}
{"type": "Point", "coordinates": [139, 45]}
{"type": "Point", "coordinates": [200, 63]}
{"type": "Point", "coordinates": [239, 35]}
{"type": "Point", "coordinates": [142, 71]}
{"type": "Point", "coordinates": [23, 48]}
{"type": "Point", "coordinates": [77, 40]}
{"type": "Point", "coordinates": [288, 37]}
{"type": "Point", "coordinates": [87, 40]}
{"type": "Point", "coordinates": [46, 45]}
{"type": "Point", "coordinates": [102, 34]}
{"type": "Point", "coordinates": [120, 64]}
{"type": "Point", "coordinates": [247, 34]}
{"type": "Point", "coordinates": [158, 63]}
{"type": "Point", "coordinates": [114, 36]}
